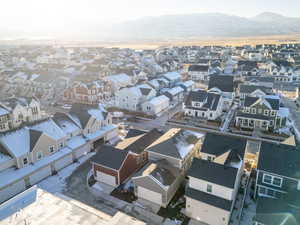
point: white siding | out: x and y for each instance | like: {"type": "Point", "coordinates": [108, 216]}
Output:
{"type": "Point", "coordinates": [12, 190]}
{"type": "Point", "coordinates": [149, 195]}
{"type": "Point", "coordinates": [206, 213]}
{"type": "Point", "coordinates": [217, 190]}
{"type": "Point", "coordinates": [82, 150]}
{"type": "Point", "coordinates": [59, 164]}
{"type": "Point", "coordinates": [40, 175]}
{"type": "Point", "coordinates": [105, 178]}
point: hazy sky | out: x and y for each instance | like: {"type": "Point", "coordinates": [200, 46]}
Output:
{"type": "Point", "coordinates": [48, 14]}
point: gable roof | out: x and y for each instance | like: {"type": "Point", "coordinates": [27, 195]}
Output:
{"type": "Point", "coordinates": [34, 137]}
{"type": "Point", "coordinates": [198, 68]}
{"type": "Point", "coordinates": [110, 157]}
{"type": "Point", "coordinates": [279, 159]}
{"type": "Point", "coordinates": [211, 100]}
{"type": "Point", "coordinates": [271, 103]}
{"type": "Point", "coordinates": [174, 143]}
{"type": "Point", "coordinates": [222, 82]}
{"type": "Point", "coordinates": [217, 145]}
{"type": "Point", "coordinates": [251, 88]}
{"type": "Point", "coordinates": [213, 172]}
{"type": "Point", "coordinates": [144, 141]}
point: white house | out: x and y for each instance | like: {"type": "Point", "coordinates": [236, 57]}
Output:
{"type": "Point", "coordinates": [132, 98]}
{"type": "Point", "coordinates": [156, 105]}
{"type": "Point", "coordinates": [203, 104]}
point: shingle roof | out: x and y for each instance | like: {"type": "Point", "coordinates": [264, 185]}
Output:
{"type": "Point", "coordinates": [222, 82]}
{"type": "Point", "coordinates": [213, 172]}
{"type": "Point", "coordinates": [209, 199]}
{"type": "Point", "coordinates": [211, 100]}
{"type": "Point", "coordinates": [110, 157]}
{"type": "Point", "coordinates": [215, 144]}
{"type": "Point", "coordinates": [276, 212]}
{"type": "Point", "coordinates": [34, 137]}
{"type": "Point", "coordinates": [251, 88]}
{"type": "Point", "coordinates": [274, 103]}
{"type": "Point", "coordinates": [279, 159]}
{"type": "Point", "coordinates": [198, 68]}
{"type": "Point", "coordinates": [144, 141]}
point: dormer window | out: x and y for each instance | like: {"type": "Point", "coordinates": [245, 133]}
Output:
{"type": "Point", "coordinates": [51, 149]}
{"type": "Point", "coordinates": [266, 112]}
{"type": "Point", "coordinates": [272, 180]}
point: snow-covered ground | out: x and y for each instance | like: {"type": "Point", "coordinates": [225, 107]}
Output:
{"type": "Point", "coordinates": [57, 183]}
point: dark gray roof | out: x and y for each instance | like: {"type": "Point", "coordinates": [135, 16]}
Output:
{"type": "Point", "coordinates": [213, 172]}
{"type": "Point", "coordinates": [209, 199]}
{"type": "Point", "coordinates": [276, 212]}
{"type": "Point", "coordinates": [134, 133]}
{"type": "Point", "coordinates": [274, 103]}
{"type": "Point", "coordinates": [251, 88]}
{"type": "Point", "coordinates": [198, 68]}
{"type": "Point", "coordinates": [260, 79]}
{"type": "Point", "coordinates": [143, 142]}
{"type": "Point", "coordinates": [110, 157]}
{"type": "Point", "coordinates": [34, 137]}
{"type": "Point", "coordinates": [145, 91]}
{"type": "Point", "coordinates": [222, 82]}
{"type": "Point", "coordinates": [211, 100]}
{"type": "Point", "coordinates": [279, 159]}
{"type": "Point", "coordinates": [217, 145]}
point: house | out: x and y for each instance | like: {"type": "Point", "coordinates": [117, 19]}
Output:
{"type": "Point", "coordinates": [253, 91]}
{"type": "Point", "coordinates": [40, 149]}
{"type": "Point", "coordinates": [277, 185]}
{"type": "Point", "coordinates": [212, 189]}
{"type": "Point", "coordinates": [272, 211]}
{"type": "Point", "coordinates": [173, 78]}
{"type": "Point", "coordinates": [215, 146]}
{"type": "Point", "coordinates": [119, 81]}
{"type": "Point", "coordinates": [261, 113]}
{"type": "Point", "coordinates": [288, 91]}
{"type": "Point", "coordinates": [277, 170]}
{"type": "Point", "coordinates": [187, 85]}
{"type": "Point", "coordinates": [17, 111]}
{"type": "Point", "coordinates": [170, 156]}
{"type": "Point", "coordinates": [174, 94]}
{"type": "Point", "coordinates": [115, 165]}
{"type": "Point", "coordinates": [156, 105]}
{"type": "Point", "coordinates": [95, 123]}
{"type": "Point", "coordinates": [132, 98]}
{"type": "Point", "coordinates": [198, 72]}
{"type": "Point", "coordinates": [224, 85]}
{"type": "Point", "coordinates": [203, 104]}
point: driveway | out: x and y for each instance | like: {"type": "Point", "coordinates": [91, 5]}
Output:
{"type": "Point", "coordinates": [77, 189]}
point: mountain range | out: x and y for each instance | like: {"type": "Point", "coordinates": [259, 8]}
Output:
{"type": "Point", "coordinates": [173, 27]}
{"type": "Point", "coordinates": [206, 25]}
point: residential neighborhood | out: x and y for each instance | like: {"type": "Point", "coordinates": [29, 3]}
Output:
{"type": "Point", "coordinates": [175, 135]}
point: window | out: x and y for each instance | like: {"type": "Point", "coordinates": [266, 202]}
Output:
{"type": "Point", "coordinates": [273, 113]}
{"type": "Point", "coordinates": [266, 112]}
{"type": "Point", "coordinates": [25, 161]}
{"type": "Point", "coordinates": [61, 145]}
{"type": "Point", "coordinates": [51, 149]}
{"type": "Point", "coordinates": [262, 190]}
{"type": "Point", "coordinates": [39, 155]}
{"type": "Point", "coordinates": [253, 111]}
{"type": "Point", "coordinates": [272, 180]}
{"type": "Point", "coordinates": [209, 188]}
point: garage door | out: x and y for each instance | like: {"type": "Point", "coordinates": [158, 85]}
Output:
{"type": "Point", "coordinates": [82, 150]}
{"type": "Point", "coordinates": [107, 179]}
{"type": "Point", "coordinates": [12, 190]}
{"type": "Point", "coordinates": [150, 195]}
{"type": "Point", "coordinates": [59, 164]}
{"type": "Point", "coordinates": [40, 175]}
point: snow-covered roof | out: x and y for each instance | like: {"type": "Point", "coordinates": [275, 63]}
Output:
{"type": "Point", "coordinates": [17, 142]}
{"type": "Point", "coordinates": [76, 142]}
{"type": "Point", "coordinates": [50, 128]}
{"type": "Point", "coordinates": [159, 100]}
{"type": "Point", "coordinates": [172, 76]}
{"type": "Point", "coordinates": [3, 111]}
{"type": "Point", "coordinates": [119, 78]}
{"type": "Point", "coordinates": [175, 91]}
